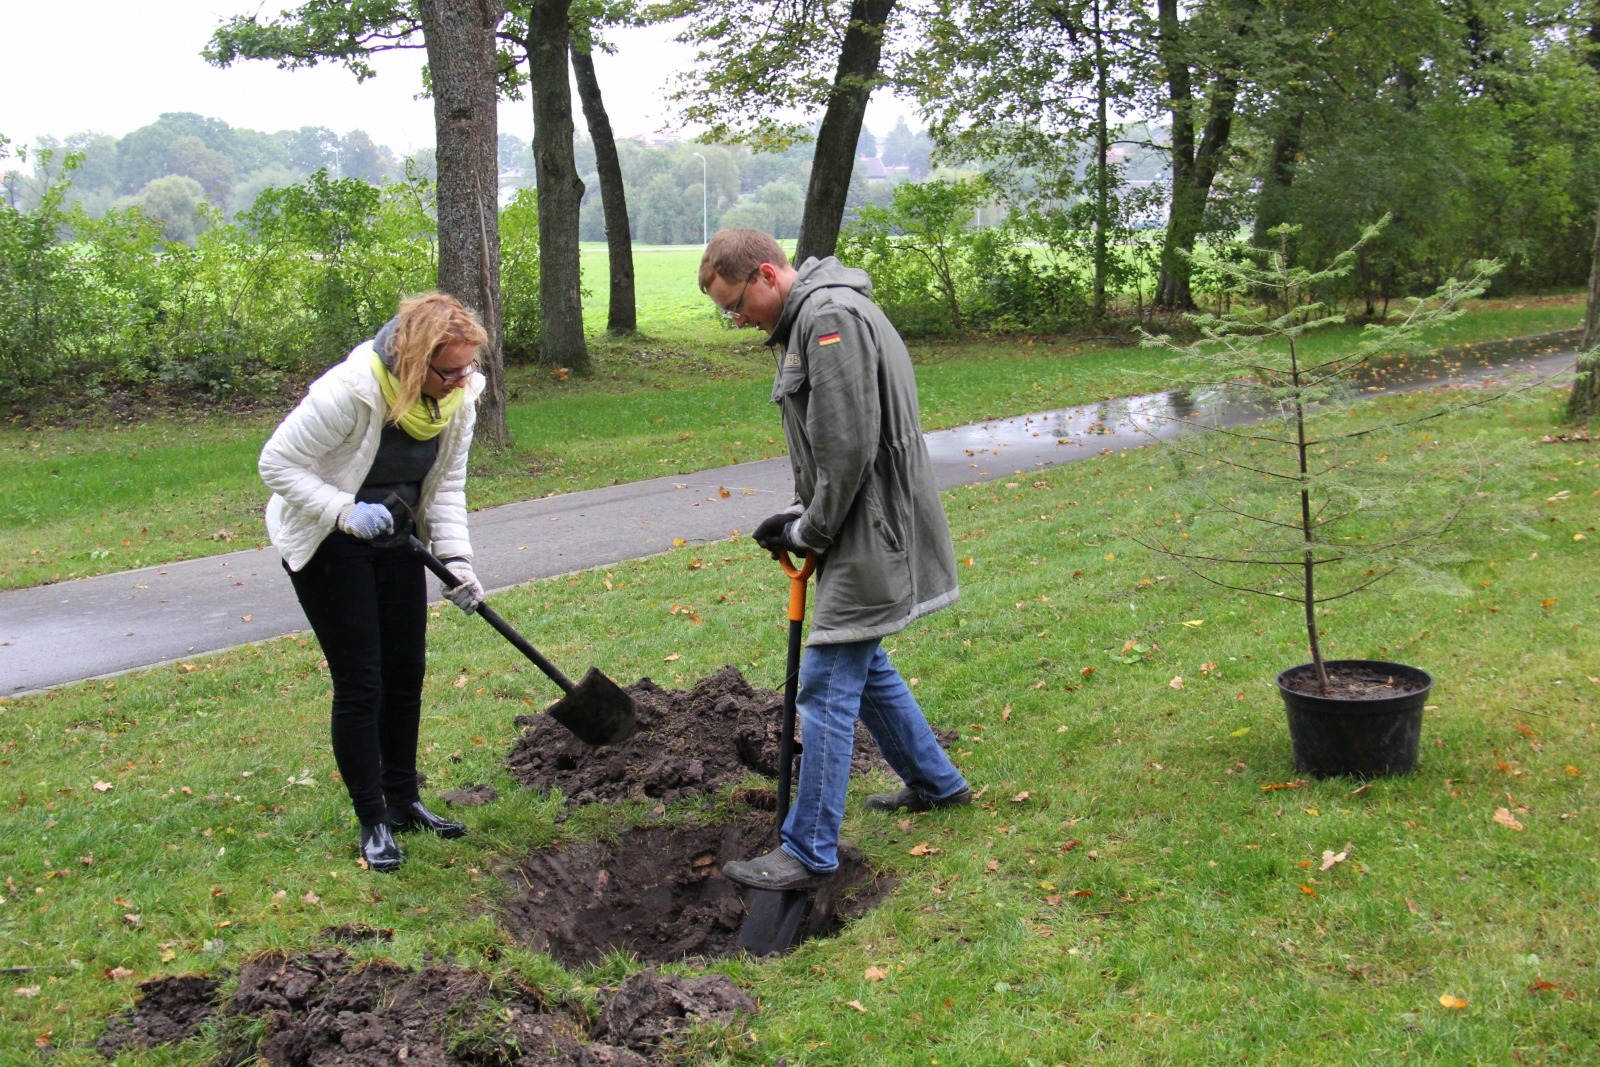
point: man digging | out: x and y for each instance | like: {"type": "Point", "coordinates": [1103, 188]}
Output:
{"type": "Point", "coordinates": [868, 510]}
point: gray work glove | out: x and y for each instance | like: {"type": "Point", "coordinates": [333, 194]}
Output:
{"type": "Point", "coordinates": [467, 594]}
{"type": "Point", "coordinates": [365, 521]}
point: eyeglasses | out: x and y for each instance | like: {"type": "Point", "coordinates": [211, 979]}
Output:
{"type": "Point", "coordinates": [738, 305]}
{"type": "Point", "coordinates": [450, 379]}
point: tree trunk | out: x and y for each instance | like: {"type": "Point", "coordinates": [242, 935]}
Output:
{"type": "Point", "coordinates": [1271, 209]}
{"type": "Point", "coordinates": [560, 188]}
{"type": "Point", "coordinates": [622, 314]}
{"type": "Point", "coordinates": [1585, 399]}
{"type": "Point", "coordinates": [835, 158]}
{"type": "Point", "coordinates": [1102, 170]}
{"type": "Point", "coordinates": [461, 62]}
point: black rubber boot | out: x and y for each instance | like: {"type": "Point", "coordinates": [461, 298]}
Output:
{"type": "Point", "coordinates": [776, 870]}
{"type": "Point", "coordinates": [379, 848]}
{"type": "Point", "coordinates": [913, 801]}
{"type": "Point", "coordinates": [414, 816]}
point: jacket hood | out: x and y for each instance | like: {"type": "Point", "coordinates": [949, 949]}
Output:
{"type": "Point", "coordinates": [814, 276]}
{"type": "Point", "coordinates": [383, 343]}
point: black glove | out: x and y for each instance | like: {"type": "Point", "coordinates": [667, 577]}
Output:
{"type": "Point", "coordinates": [772, 535]}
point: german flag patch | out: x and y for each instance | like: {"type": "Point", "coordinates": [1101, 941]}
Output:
{"type": "Point", "coordinates": [828, 339]}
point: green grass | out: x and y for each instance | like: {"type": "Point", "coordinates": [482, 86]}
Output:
{"type": "Point", "coordinates": [1196, 942]}
{"type": "Point", "coordinates": [180, 486]}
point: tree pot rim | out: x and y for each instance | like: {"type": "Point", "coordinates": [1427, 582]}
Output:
{"type": "Point", "coordinates": [1359, 705]}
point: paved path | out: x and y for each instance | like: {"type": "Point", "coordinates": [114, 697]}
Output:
{"type": "Point", "coordinates": [73, 630]}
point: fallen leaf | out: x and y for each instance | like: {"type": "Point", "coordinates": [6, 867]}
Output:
{"type": "Point", "coordinates": [116, 974]}
{"type": "Point", "coordinates": [1538, 985]}
{"type": "Point", "coordinates": [1330, 857]}
{"type": "Point", "coordinates": [1194, 622]}
{"type": "Point", "coordinates": [1240, 732]}
{"type": "Point", "coordinates": [1574, 771]}
{"type": "Point", "coordinates": [1005, 715]}
{"type": "Point", "coordinates": [461, 682]}
{"type": "Point", "coordinates": [167, 955]}
{"type": "Point", "coordinates": [672, 657]}
{"type": "Point", "coordinates": [914, 681]}
{"type": "Point", "coordinates": [132, 920]}
{"type": "Point", "coordinates": [25, 991]}
{"type": "Point", "coordinates": [1506, 819]}
{"type": "Point", "coordinates": [1021, 797]}
{"type": "Point", "coordinates": [1070, 845]}
{"type": "Point", "coordinates": [1313, 812]}
{"type": "Point", "coordinates": [856, 1004]}
{"type": "Point", "coordinates": [224, 922]}
{"type": "Point", "coordinates": [246, 618]}
{"type": "Point", "coordinates": [723, 493]}
{"type": "Point", "coordinates": [992, 865]}
{"type": "Point", "coordinates": [1362, 791]}
{"type": "Point", "coordinates": [1411, 907]}
{"type": "Point", "coordinates": [1086, 672]}
{"type": "Point", "coordinates": [1308, 891]}
{"type": "Point", "coordinates": [1449, 1001]}
{"type": "Point", "coordinates": [1053, 901]}
{"type": "Point", "coordinates": [967, 561]}
{"type": "Point", "coordinates": [103, 787]}
{"type": "Point", "coordinates": [875, 974]}
{"type": "Point", "coordinates": [310, 898]}
{"type": "Point", "coordinates": [43, 1040]}
{"type": "Point", "coordinates": [922, 849]}
{"type": "Point", "coordinates": [1176, 683]}
{"type": "Point", "coordinates": [1081, 893]}
{"type": "Point", "coordinates": [678, 542]}
{"type": "Point", "coordinates": [1111, 555]}
{"type": "Point", "coordinates": [1048, 887]}
{"type": "Point", "coordinates": [1521, 729]}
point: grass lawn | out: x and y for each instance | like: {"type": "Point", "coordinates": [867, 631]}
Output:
{"type": "Point", "coordinates": [77, 502]}
{"type": "Point", "coordinates": [1129, 891]}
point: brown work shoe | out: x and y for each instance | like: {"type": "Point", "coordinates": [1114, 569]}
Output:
{"type": "Point", "coordinates": [776, 870]}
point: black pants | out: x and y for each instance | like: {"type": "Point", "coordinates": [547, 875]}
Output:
{"type": "Point", "coordinates": [369, 609]}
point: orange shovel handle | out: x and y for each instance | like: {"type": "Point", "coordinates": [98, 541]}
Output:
{"type": "Point", "coordinates": [797, 583]}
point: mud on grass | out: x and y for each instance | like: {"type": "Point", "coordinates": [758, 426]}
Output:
{"type": "Point", "coordinates": [658, 893]}
{"type": "Point", "coordinates": [318, 1009]}
{"type": "Point", "coordinates": [691, 742]}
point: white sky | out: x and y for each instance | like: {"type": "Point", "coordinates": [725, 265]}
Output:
{"type": "Point", "coordinates": [115, 65]}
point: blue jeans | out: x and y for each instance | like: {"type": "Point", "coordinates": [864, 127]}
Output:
{"type": "Point", "coordinates": [837, 684]}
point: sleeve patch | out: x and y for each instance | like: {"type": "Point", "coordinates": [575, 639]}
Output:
{"type": "Point", "coordinates": [828, 339]}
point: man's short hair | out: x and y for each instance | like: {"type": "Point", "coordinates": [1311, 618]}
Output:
{"type": "Point", "coordinates": [735, 254]}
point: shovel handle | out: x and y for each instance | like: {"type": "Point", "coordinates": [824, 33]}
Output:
{"type": "Point", "coordinates": [797, 583]}
{"type": "Point", "coordinates": [492, 617]}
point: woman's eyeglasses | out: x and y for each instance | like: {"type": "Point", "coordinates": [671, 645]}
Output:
{"type": "Point", "coordinates": [455, 376]}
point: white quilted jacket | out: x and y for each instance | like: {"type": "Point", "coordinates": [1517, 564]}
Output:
{"type": "Point", "coordinates": [318, 457]}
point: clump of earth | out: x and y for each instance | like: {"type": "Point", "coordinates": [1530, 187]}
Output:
{"type": "Point", "coordinates": [690, 742]}
{"type": "Point", "coordinates": [318, 1009]}
{"type": "Point", "coordinates": [659, 893]}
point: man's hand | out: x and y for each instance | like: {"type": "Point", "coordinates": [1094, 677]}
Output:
{"type": "Point", "coordinates": [468, 594]}
{"type": "Point", "coordinates": [773, 535]}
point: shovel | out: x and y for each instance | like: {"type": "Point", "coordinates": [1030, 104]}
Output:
{"type": "Point", "coordinates": [596, 709]}
{"type": "Point", "coordinates": [775, 915]}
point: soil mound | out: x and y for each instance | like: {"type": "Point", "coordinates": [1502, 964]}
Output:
{"type": "Point", "coordinates": [354, 933]}
{"type": "Point", "coordinates": [318, 1010]}
{"type": "Point", "coordinates": [168, 1010]}
{"type": "Point", "coordinates": [659, 893]}
{"type": "Point", "coordinates": [470, 796]}
{"type": "Point", "coordinates": [690, 742]}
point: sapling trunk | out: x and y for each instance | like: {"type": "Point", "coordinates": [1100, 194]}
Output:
{"type": "Point", "coordinates": [1306, 527]}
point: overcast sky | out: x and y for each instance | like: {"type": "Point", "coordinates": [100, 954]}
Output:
{"type": "Point", "coordinates": [114, 65]}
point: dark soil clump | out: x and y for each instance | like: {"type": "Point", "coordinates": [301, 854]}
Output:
{"type": "Point", "coordinates": [660, 894]}
{"type": "Point", "coordinates": [355, 933]}
{"type": "Point", "coordinates": [690, 742]}
{"type": "Point", "coordinates": [319, 1010]}
{"type": "Point", "coordinates": [1353, 683]}
{"type": "Point", "coordinates": [167, 1011]}
{"type": "Point", "coordinates": [470, 796]}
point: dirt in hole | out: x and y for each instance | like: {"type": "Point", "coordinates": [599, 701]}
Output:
{"type": "Point", "coordinates": [659, 893]}
{"type": "Point", "coordinates": [316, 1009]}
{"type": "Point", "coordinates": [1356, 682]}
{"type": "Point", "coordinates": [690, 742]}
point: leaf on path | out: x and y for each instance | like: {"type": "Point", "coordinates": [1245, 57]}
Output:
{"type": "Point", "coordinates": [1506, 819]}
{"type": "Point", "coordinates": [875, 974]}
{"type": "Point", "coordinates": [922, 849]}
{"type": "Point", "coordinates": [246, 618]}
{"type": "Point", "coordinates": [1454, 1003]}
{"type": "Point", "coordinates": [857, 1005]}
{"type": "Point", "coordinates": [723, 493]}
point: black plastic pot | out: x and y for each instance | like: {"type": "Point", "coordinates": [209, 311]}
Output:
{"type": "Point", "coordinates": [1334, 735]}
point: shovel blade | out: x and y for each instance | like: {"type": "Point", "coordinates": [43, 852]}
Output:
{"type": "Point", "coordinates": [597, 710]}
{"type": "Point", "coordinates": [772, 925]}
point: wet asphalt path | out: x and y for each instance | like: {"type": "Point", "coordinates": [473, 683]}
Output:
{"type": "Point", "coordinates": [53, 634]}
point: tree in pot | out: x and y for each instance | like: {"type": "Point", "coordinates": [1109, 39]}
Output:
{"type": "Point", "coordinates": [1289, 489]}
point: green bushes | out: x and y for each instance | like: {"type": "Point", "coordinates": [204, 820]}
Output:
{"type": "Point", "coordinates": [519, 277]}
{"type": "Point", "coordinates": [284, 289]}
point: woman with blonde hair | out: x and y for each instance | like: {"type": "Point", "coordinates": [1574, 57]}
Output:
{"type": "Point", "coordinates": [395, 418]}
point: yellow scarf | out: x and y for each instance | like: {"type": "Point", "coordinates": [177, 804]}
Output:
{"type": "Point", "coordinates": [424, 419]}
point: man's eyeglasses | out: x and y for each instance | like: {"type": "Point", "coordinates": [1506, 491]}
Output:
{"type": "Point", "coordinates": [455, 376]}
{"type": "Point", "coordinates": [738, 305]}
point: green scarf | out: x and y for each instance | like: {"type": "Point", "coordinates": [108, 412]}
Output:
{"type": "Point", "coordinates": [424, 419]}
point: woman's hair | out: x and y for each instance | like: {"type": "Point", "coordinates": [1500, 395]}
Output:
{"type": "Point", "coordinates": [428, 323]}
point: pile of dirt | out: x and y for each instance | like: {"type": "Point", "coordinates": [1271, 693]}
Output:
{"type": "Point", "coordinates": [316, 1008]}
{"type": "Point", "coordinates": [168, 1010]}
{"type": "Point", "coordinates": [470, 796]}
{"type": "Point", "coordinates": [690, 742]}
{"type": "Point", "coordinates": [659, 893]}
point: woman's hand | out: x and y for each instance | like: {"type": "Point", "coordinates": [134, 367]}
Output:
{"type": "Point", "coordinates": [366, 521]}
{"type": "Point", "coordinates": [468, 593]}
